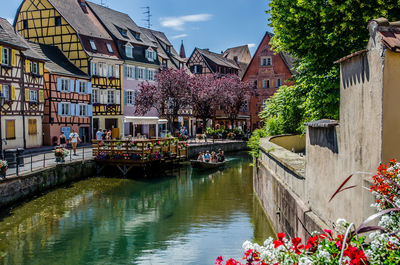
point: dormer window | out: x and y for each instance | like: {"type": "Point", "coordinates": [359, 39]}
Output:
{"type": "Point", "coordinates": [135, 34]}
{"type": "Point", "coordinates": [129, 51]}
{"type": "Point", "coordinates": [57, 21]}
{"type": "Point", "coordinates": [150, 55]}
{"type": "Point", "coordinates": [168, 48]}
{"type": "Point", "coordinates": [34, 68]}
{"type": "Point", "coordinates": [124, 33]}
{"type": "Point", "coordinates": [266, 61]}
{"type": "Point", "coordinates": [109, 48]}
{"type": "Point", "coordinates": [93, 45]}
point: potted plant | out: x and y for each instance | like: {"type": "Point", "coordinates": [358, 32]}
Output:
{"type": "Point", "coordinates": [60, 154]}
{"type": "Point", "coordinates": [3, 168]}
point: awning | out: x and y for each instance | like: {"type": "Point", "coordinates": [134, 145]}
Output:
{"type": "Point", "coordinates": [144, 120]}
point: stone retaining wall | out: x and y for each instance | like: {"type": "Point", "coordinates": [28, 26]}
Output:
{"type": "Point", "coordinates": [30, 184]}
{"type": "Point", "coordinates": [194, 150]}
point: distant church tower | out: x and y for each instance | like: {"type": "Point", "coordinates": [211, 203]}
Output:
{"type": "Point", "coordinates": [182, 52]}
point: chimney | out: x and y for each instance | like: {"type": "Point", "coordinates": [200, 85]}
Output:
{"type": "Point", "coordinates": [83, 5]}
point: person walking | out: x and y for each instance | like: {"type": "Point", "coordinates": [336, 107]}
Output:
{"type": "Point", "coordinates": [74, 139]}
{"type": "Point", "coordinates": [99, 135]}
{"type": "Point", "coordinates": [62, 140]}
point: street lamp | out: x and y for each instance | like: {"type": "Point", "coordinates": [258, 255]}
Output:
{"type": "Point", "coordinates": [2, 99]}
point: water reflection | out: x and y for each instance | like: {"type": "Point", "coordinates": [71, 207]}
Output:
{"type": "Point", "coordinates": [188, 218]}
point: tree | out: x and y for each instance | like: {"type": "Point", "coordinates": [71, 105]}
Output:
{"type": "Point", "coordinates": [236, 95]}
{"type": "Point", "coordinates": [168, 95]}
{"type": "Point", "coordinates": [207, 96]}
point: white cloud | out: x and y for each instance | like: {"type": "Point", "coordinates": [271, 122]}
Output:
{"type": "Point", "coordinates": [179, 36]}
{"type": "Point", "coordinates": [178, 23]}
{"type": "Point", "coordinates": [251, 45]}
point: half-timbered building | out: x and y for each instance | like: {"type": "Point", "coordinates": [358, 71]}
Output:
{"type": "Point", "coordinates": [268, 71]}
{"type": "Point", "coordinates": [67, 97]}
{"type": "Point", "coordinates": [21, 85]}
{"type": "Point", "coordinates": [73, 27]}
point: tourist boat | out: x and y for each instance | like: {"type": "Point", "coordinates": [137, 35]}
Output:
{"type": "Point", "coordinates": [206, 165]}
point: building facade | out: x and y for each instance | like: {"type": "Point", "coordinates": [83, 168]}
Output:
{"type": "Point", "coordinates": [268, 71]}
{"type": "Point", "coordinates": [21, 85]}
{"type": "Point", "coordinates": [72, 26]}
{"type": "Point", "coordinates": [67, 97]}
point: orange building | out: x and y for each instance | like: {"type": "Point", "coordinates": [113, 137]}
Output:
{"type": "Point", "coordinates": [268, 71]}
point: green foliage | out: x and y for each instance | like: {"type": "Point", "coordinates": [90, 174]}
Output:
{"type": "Point", "coordinates": [254, 142]}
{"type": "Point", "coordinates": [210, 131]}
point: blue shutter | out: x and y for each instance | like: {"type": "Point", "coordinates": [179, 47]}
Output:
{"type": "Point", "coordinates": [59, 84]}
{"type": "Point", "coordinates": [90, 110]}
{"type": "Point", "coordinates": [89, 88]}
{"type": "Point", "coordinates": [146, 74]}
{"type": "Point", "coordinates": [77, 86]}
{"type": "Point", "coordinates": [125, 97]}
{"type": "Point", "coordinates": [71, 109]}
{"type": "Point", "coordinates": [125, 71]}
{"type": "Point", "coordinates": [136, 73]}
{"type": "Point", "coordinates": [71, 85]}
{"type": "Point", "coordinates": [59, 106]}
{"type": "Point", "coordinates": [155, 55]}
{"type": "Point", "coordinates": [146, 54]}
{"type": "Point", "coordinates": [77, 110]}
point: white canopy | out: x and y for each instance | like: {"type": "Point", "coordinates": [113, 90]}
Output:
{"type": "Point", "coordinates": [141, 120]}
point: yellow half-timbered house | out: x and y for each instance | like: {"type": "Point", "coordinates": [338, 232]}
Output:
{"type": "Point", "coordinates": [74, 29]}
{"type": "Point", "coordinates": [21, 85]}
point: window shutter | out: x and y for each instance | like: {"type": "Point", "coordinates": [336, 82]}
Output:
{"type": "Point", "coordinates": [89, 88]}
{"type": "Point", "coordinates": [147, 54]}
{"type": "Point", "coordinates": [1, 54]}
{"type": "Point", "coordinates": [27, 66]}
{"type": "Point", "coordinates": [41, 96]}
{"type": "Point", "coordinates": [13, 57]}
{"type": "Point", "coordinates": [146, 74]}
{"type": "Point", "coordinates": [103, 99]}
{"type": "Point", "coordinates": [77, 84]}
{"type": "Point", "coordinates": [41, 70]}
{"type": "Point", "coordinates": [59, 109]}
{"type": "Point", "coordinates": [126, 71]}
{"type": "Point", "coordinates": [1, 88]}
{"type": "Point", "coordinates": [12, 92]}
{"type": "Point", "coordinates": [154, 55]}
{"type": "Point", "coordinates": [77, 110]}
{"type": "Point", "coordinates": [27, 95]}
{"type": "Point", "coordinates": [117, 67]}
{"type": "Point", "coordinates": [72, 109]}
{"type": "Point", "coordinates": [71, 85]}
{"type": "Point", "coordinates": [90, 110]}
{"type": "Point", "coordinates": [117, 97]}
{"type": "Point", "coordinates": [136, 73]}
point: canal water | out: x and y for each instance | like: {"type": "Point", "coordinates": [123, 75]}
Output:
{"type": "Point", "coordinates": [185, 217]}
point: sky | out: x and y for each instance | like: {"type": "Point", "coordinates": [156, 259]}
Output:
{"type": "Point", "coordinates": [213, 24]}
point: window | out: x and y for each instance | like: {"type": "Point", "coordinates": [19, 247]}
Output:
{"type": "Point", "coordinates": [10, 129]}
{"type": "Point", "coordinates": [130, 97]}
{"type": "Point", "coordinates": [102, 69]}
{"type": "Point", "coordinates": [34, 68]}
{"type": "Point", "coordinates": [151, 75]}
{"type": "Point", "coordinates": [266, 84]}
{"type": "Point", "coordinates": [93, 45]}
{"type": "Point", "coordinates": [266, 61]}
{"type": "Point", "coordinates": [129, 72]}
{"type": "Point", "coordinates": [6, 92]}
{"type": "Point", "coordinates": [197, 69]}
{"type": "Point", "coordinates": [6, 56]}
{"type": "Point", "coordinates": [25, 24]}
{"type": "Point", "coordinates": [57, 21]}
{"type": "Point", "coordinates": [135, 34]}
{"type": "Point", "coordinates": [65, 109]}
{"type": "Point", "coordinates": [33, 96]}
{"type": "Point", "coordinates": [109, 70]}
{"type": "Point", "coordinates": [150, 55]}
{"type": "Point", "coordinates": [124, 33]}
{"type": "Point", "coordinates": [65, 85]}
{"type": "Point", "coordinates": [168, 49]}
{"type": "Point", "coordinates": [140, 72]}
{"type": "Point", "coordinates": [110, 97]}
{"type": "Point", "coordinates": [109, 48]}
{"type": "Point", "coordinates": [93, 68]}
{"type": "Point", "coordinates": [164, 63]}
{"type": "Point", "coordinates": [278, 83]}
{"type": "Point", "coordinates": [83, 110]}
{"type": "Point", "coordinates": [83, 87]}
{"type": "Point", "coordinates": [32, 126]}
{"type": "Point", "coordinates": [245, 107]}
{"type": "Point", "coordinates": [129, 51]}
{"type": "Point", "coordinates": [95, 96]}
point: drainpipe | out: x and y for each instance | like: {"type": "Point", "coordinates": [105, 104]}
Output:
{"type": "Point", "coordinates": [22, 92]}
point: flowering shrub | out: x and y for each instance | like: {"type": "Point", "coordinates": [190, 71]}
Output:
{"type": "Point", "coordinates": [347, 246]}
{"type": "Point", "coordinates": [3, 165]}
{"type": "Point", "coordinates": [132, 144]}
{"type": "Point", "coordinates": [60, 152]}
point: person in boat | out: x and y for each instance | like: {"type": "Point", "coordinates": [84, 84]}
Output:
{"type": "Point", "coordinates": [220, 156]}
{"type": "Point", "coordinates": [213, 158]}
{"type": "Point", "coordinates": [200, 157]}
{"type": "Point", "coordinates": [207, 156]}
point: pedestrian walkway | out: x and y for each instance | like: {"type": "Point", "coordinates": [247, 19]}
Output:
{"type": "Point", "coordinates": [42, 159]}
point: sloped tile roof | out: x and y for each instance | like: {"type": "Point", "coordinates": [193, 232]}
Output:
{"type": "Point", "coordinates": [113, 20]}
{"type": "Point", "coordinates": [85, 24]}
{"type": "Point", "coordinates": [57, 62]}
{"type": "Point", "coordinates": [238, 52]}
{"type": "Point", "coordinates": [12, 38]}
{"type": "Point", "coordinates": [218, 59]}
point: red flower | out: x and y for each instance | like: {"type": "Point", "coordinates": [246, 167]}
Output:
{"type": "Point", "coordinates": [281, 236]}
{"type": "Point", "coordinates": [328, 232]}
{"type": "Point", "coordinates": [296, 245]}
{"type": "Point", "coordinates": [219, 260]}
{"type": "Point", "coordinates": [277, 243]}
{"type": "Point", "coordinates": [312, 243]}
{"type": "Point", "coordinates": [232, 262]}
